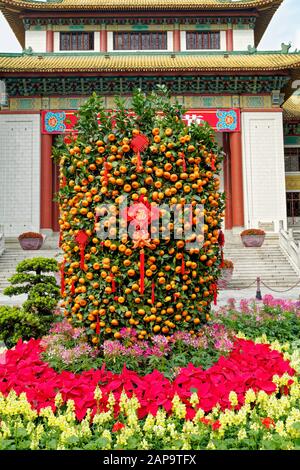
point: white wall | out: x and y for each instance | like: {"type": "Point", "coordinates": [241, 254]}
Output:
{"type": "Point", "coordinates": [36, 40]}
{"type": "Point", "coordinates": [19, 173]}
{"type": "Point", "coordinates": [263, 169]}
{"type": "Point", "coordinates": [222, 42]}
{"type": "Point", "coordinates": [96, 43]}
{"type": "Point", "coordinates": [242, 38]}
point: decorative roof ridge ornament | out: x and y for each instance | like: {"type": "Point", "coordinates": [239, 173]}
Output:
{"type": "Point", "coordinates": [251, 49]}
{"type": "Point", "coordinates": [285, 47]}
{"type": "Point", "coordinates": [27, 51]}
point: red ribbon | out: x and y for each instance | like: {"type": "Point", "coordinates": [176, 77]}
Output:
{"type": "Point", "coordinates": [182, 265]}
{"type": "Point", "coordinates": [62, 277]}
{"type": "Point", "coordinates": [98, 325]}
{"type": "Point", "coordinates": [215, 292]}
{"type": "Point", "coordinates": [183, 163]}
{"type": "Point", "coordinates": [153, 293]}
{"type": "Point", "coordinates": [82, 240]}
{"type": "Point", "coordinates": [105, 172]}
{"type": "Point", "coordinates": [221, 238]}
{"type": "Point", "coordinates": [113, 283]}
{"type": "Point", "coordinates": [222, 259]}
{"type": "Point", "coordinates": [142, 271]}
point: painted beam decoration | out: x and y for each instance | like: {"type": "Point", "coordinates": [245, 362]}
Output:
{"type": "Point", "coordinates": [221, 120]}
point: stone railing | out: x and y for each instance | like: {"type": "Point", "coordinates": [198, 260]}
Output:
{"type": "Point", "coordinates": [290, 246]}
{"type": "Point", "coordinates": [2, 239]}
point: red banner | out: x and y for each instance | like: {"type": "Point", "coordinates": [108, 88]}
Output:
{"type": "Point", "coordinates": [221, 120]}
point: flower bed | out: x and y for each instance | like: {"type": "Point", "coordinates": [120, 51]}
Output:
{"type": "Point", "coordinates": [249, 365]}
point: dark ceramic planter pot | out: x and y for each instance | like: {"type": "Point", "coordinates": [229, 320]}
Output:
{"type": "Point", "coordinates": [31, 243]}
{"type": "Point", "coordinates": [253, 240]}
{"type": "Point", "coordinates": [225, 278]}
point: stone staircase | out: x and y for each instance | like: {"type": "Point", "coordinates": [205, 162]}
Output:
{"type": "Point", "coordinates": [13, 254]}
{"type": "Point", "coordinates": [268, 262]}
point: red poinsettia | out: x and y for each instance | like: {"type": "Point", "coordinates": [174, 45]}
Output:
{"type": "Point", "coordinates": [249, 365]}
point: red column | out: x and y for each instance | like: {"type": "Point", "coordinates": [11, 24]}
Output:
{"type": "Point", "coordinates": [49, 40]}
{"type": "Point", "coordinates": [176, 40]}
{"type": "Point", "coordinates": [227, 182]}
{"type": "Point", "coordinates": [237, 179]}
{"type": "Point", "coordinates": [229, 40]}
{"type": "Point", "coordinates": [103, 40]}
{"type": "Point", "coordinates": [46, 181]}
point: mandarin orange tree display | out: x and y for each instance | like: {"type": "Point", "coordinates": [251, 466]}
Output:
{"type": "Point", "coordinates": [120, 172]}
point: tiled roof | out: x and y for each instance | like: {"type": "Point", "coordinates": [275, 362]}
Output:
{"type": "Point", "coordinates": [139, 4]}
{"type": "Point", "coordinates": [13, 8]}
{"type": "Point", "coordinates": [69, 63]}
{"type": "Point", "coordinates": [291, 108]}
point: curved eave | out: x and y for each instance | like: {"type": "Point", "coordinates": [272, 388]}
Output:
{"type": "Point", "coordinates": [291, 108]}
{"type": "Point", "coordinates": [180, 63]}
{"type": "Point", "coordinates": [12, 9]}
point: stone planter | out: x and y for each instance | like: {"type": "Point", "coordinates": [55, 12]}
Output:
{"type": "Point", "coordinates": [225, 278]}
{"type": "Point", "coordinates": [31, 243]}
{"type": "Point", "coordinates": [253, 241]}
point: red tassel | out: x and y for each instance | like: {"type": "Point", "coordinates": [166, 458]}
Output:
{"type": "Point", "coordinates": [62, 277]}
{"type": "Point", "coordinates": [222, 264]}
{"type": "Point", "coordinates": [73, 288]}
{"type": "Point", "coordinates": [105, 172]}
{"type": "Point", "coordinates": [183, 163]}
{"type": "Point", "coordinates": [215, 292]}
{"type": "Point", "coordinates": [221, 238]}
{"type": "Point", "coordinates": [82, 258]}
{"type": "Point", "coordinates": [98, 325]}
{"type": "Point", "coordinates": [182, 265]}
{"type": "Point", "coordinates": [113, 283]}
{"type": "Point", "coordinates": [213, 166]}
{"type": "Point", "coordinates": [139, 160]}
{"type": "Point", "coordinates": [64, 181]}
{"type": "Point", "coordinates": [153, 293]}
{"type": "Point", "coordinates": [142, 271]}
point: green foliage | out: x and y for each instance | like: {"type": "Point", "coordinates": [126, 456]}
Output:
{"type": "Point", "coordinates": [15, 323]}
{"type": "Point", "coordinates": [36, 315]}
{"type": "Point", "coordinates": [271, 321]}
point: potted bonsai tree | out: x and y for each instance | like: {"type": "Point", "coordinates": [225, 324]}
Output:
{"type": "Point", "coordinates": [226, 273]}
{"type": "Point", "coordinates": [253, 237]}
{"type": "Point", "coordinates": [31, 240]}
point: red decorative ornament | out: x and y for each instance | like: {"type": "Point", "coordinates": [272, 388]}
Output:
{"type": "Point", "coordinates": [113, 283]}
{"type": "Point", "coordinates": [221, 238]}
{"type": "Point", "coordinates": [182, 265]}
{"type": "Point", "coordinates": [214, 289]}
{"type": "Point", "coordinates": [73, 288]}
{"type": "Point", "coordinates": [63, 182]}
{"type": "Point", "coordinates": [183, 162]}
{"type": "Point", "coordinates": [82, 239]}
{"type": "Point", "coordinates": [142, 271]}
{"type": "Point", "coordinates": [139, 144]}
{"type": "Point", "coordinates": [105, 172]}
{"type": "Point", "coordinates": [213, 163]}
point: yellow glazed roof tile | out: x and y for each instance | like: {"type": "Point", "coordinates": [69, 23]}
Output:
{"type": "Point", "coordinates": [291, 108]}
{"type": "Point", "coordinates": [139, 4]}
{"type": "Point", "coordinates": [56, 63]}
{"type": "Point", "coordinates": [14, 9]}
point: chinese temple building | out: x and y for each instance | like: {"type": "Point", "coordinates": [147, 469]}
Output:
{"type": "Point", "coordinates": [204, 51]}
